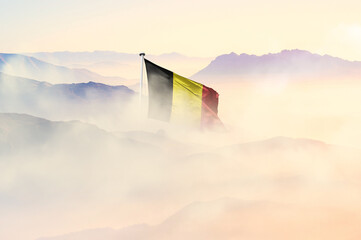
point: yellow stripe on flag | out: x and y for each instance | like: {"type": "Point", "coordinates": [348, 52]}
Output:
{"type": "Point", "coordinates": [187, 101]}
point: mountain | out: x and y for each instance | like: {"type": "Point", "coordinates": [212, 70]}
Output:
{"type": "Point", "coordinates": [24, 95]}
{"type": "Point", "coordinates": [30, 67]}
{"type": "Point", "coordinates": [22, 133]}
{"type": "Point", "coordinates": [110, 63]}
{"type": "Point", "coordinates": [64, 58]}
{"type": "Point", "coordinates": [230, 218]}
{"type": "Point", "coordinates": [294, 63]}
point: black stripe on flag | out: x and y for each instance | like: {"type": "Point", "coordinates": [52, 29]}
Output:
{"type": "Point", "coordinates": [160, 87]}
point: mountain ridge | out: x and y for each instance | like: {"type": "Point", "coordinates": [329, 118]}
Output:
{"type": "Point", "coordinates": [289, 62]}
{"type": "Point", "coordinates": [127, 65]}
{"type": "Point", "coordinates": [75, 100]}
{"type": "Point", "coordinates": [232, 218]}
{"type": "Point", "coordinates": [33, 68]}
{"type": "Point", "coordinates": [77, 88]}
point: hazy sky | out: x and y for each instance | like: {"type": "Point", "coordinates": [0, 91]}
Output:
{"type": "Point", "coordinates": [195, 28]}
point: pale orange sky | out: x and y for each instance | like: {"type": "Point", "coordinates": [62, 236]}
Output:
{"type": "Point", "coordinates": [194, 28]}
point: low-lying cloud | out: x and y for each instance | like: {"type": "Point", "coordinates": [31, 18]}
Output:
{"type": "Point", "coordinates": [99, 164]}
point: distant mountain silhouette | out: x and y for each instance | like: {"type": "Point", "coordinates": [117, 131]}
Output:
{"type": "Point", "coordinates": [111, 63]}
{"type": "Point", "coordinates": [297, 63]}
{"type": "Point", "coordinates": [21, 132]}
{"type": "Point", "coordinates": [231, 218]}
{"type": "Point", "coordinates": [89, 90]}
{"type": "Point", "coordinates": [33, 97]}
{"type": "Point", "coordinates": [30, 67]}
{"type": "Point", "coordinates": [84, 58]}
{"type": "Point", "coordinates": [66, 57]}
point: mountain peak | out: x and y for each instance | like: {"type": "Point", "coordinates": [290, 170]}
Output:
{"type": "Point", "coordinates": [293, 52]}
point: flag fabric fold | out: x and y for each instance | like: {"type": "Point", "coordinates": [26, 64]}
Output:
{"type": "Point", "coordinates": [176, 99]}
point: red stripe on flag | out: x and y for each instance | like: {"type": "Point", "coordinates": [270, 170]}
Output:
{"type": "Point", "coordinates": [209, 116]}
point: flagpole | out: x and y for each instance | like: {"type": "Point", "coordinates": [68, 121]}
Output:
{"type": "Point", "coordinates": [141, 80]}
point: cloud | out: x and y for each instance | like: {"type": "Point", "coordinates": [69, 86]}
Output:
{"type": "Point", "coordinates": [58, 176]}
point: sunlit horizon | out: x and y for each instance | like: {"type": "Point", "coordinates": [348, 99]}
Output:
{"type": "Point", "coordinates": [201, 28]}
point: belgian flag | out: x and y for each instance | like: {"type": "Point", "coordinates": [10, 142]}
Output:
{"type": "Point", "coordinates": [176, 99]}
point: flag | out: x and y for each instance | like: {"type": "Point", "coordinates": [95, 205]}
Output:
{"type": "Point", "coordinates": [176, 99]}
